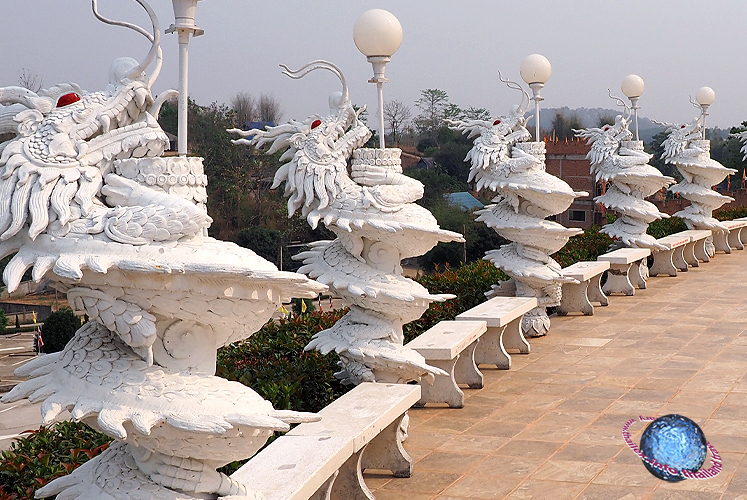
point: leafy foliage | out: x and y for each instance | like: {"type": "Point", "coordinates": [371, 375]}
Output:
{"type": "Point", "coordinates": [3, 321]}
{"type": "Point", "coordinates": [58, 329]}
{"type": "Point", "coordinates": [730, 213]}
{"type": "Point", "coordinates": [664, 227]}
{"type": "Point", "coordinates": [273, 363]}
{"type": "Point", "coordinates": [45, 454]}
{"type": "Point", "coordinates": [562, 126]}
{"type": "Point", "coordinates": [468, 282]}
{"type": "Point", "coordinates": [587, 246]}
{"type": "Point", "coordinates": [265, 242]}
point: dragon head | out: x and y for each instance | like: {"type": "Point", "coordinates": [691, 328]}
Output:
{"type": "Point", "coordinates": [66, 127]}
{"type": "Point", "coordinates": [679, 136]}
{"type": "Point", "coordinates": [66, 140]}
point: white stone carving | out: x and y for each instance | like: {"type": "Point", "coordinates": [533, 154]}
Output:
{"type": "Point", "coordinates": [503, 162]}
{"type": "Point", "coordinates": [620, 161]}
{"type": "Point", "coordinates": [87, 202]}
{"type": "Point", "coordinates": [691, 154]}
{"type": "Point", "coordinates": [377, 223]}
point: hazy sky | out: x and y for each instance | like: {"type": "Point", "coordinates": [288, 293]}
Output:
{"type": "Point", "coordinates": [676, 46]}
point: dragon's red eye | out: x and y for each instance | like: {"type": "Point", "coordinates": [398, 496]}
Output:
{"type": "Point", "coordinates": [682, 126]}
{"type": "Point", "coordinates": [606, 127]}
{"type": "Point", "coordinates": [316, 123]}
{"type": "Point", "coordinates": [496, 122]}
{"type": "Point", "coordinates": [67, 99]}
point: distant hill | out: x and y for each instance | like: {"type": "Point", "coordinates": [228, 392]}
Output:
{"type": "Point", "coordinates": [590, 118]}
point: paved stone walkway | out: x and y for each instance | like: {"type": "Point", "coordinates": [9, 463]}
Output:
{"type": "Point", "coordinates": [551, 427]}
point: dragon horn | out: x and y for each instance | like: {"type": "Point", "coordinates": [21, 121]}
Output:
{"type": "Point", "coordinates": [155, 39]}
{"type": "Point", "coordinates": [524, 95]}
{"type": "Point", "coordinates": [620, 102]}
{"type": "Point", "coordinates": [318, 64]}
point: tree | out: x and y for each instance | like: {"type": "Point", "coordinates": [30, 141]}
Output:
{"type": "Point", "coordinates": [265, 242]}
{"type": "Point", "coordinates": [58, 329]}
{"type": "Point", "coordinates": [562, 126]}
{"type": "Point", "coordinates": [606, 119]}
{"type": "Point", "coordinates": [239, 177]}
{"type": "Point", "coordinates": [244, 105]}
{"type": "Point", "coordinates": [29, 80]}
{"type": "Point", "coordinates": [269, 109]}
{"type": "Point", "coordinates": [472, 113]}
{"type": "Point", "coordinates": [452, 112]}
{"type": "Point", "coordinates": [432, 103]}
{"type": "Point", "coordinates": [397, 116]}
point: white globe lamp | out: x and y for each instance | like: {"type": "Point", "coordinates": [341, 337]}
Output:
{"type": "Point", "coordinates": [378, 34]}
{"type": "Point", "coordinates": [705, 97]}
{"type": "Point", "coordinates": [632, 86]}
{"type": "Point", "coordinates": [535, 71]}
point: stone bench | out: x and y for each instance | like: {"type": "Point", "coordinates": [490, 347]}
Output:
{"type": "Point", "coordinates": [578, 297]}
{"type": "Point", "coordinates": [695, 251]}
{"type": "Point", "coordinates": [450, 345]}
{"type": "Point", "coordinates": [670, 260]}
{"type": "Point", "coordinates": [743, 233]}
{"type": "Point", "coordinates": [724, 242]}
{"type": "Point", "coordinates": [321, 460]}
{"type": "Point", "coordinates": [625, 270]}
{"type": "Point", "coordinates": [503, 317]}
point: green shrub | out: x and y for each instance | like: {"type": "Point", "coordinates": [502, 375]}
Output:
{"type": "Point", "coordinates": [273, 363]}
{"type": "Point", "coordinates": [468, 282]}
{"type": "Point", "coordinates": [3, 321]}
{"type": "Point", "coordinates": [664, 227]}
{"type": "Point", "coordinates": [730, 213]}
{"type": "Point", "coordinates": [58, 329]}
{"type": "Point", "coordinates": [45, 454]}
{"type": "Point", "coordinates": [587, 246]}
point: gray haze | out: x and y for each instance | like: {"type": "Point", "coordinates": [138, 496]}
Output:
{"type": "Point", "coordinates": [675, 46]}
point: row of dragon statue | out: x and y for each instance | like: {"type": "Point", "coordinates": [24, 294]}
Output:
{"type": "Point", "coordinates": [89, 201]}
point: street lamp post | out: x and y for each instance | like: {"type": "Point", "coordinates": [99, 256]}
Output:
{"type": "Point", "coordinates": [705, 97]}
{"type": "Point", "coordinates": [378, 35]}
{"type": "Point", "coordinates": [535, 71]}
{"type": "Point", "coordinates": [184, 25]}
{"type": "Point", "coordinates": [632, 86]}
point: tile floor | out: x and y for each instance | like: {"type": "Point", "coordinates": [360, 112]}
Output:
{"type": "Point", "coordinates": [551, 427]}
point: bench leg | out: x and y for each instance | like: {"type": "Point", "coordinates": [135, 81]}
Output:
{"type": "Point", "coordinates": [701, 249]}
{"type": "Point", "coordinates": [575, 299]}
{"type": "Point", "coordinates": [678, 259]}
{"type": "Point", "coordinates": [490, 350]}
{"type": "Point", "coordinates": [721, 241]}
{"type": "Point", "coordinates": [385, 451]}
{"type": "Point", "coordinates": [639, 273]}
{"type": "Point", "coordinates": [465, 370]}
{"type": "Point", "coordinates": [349, 484]}
{"type": "Point", "coordinates": [689, 254]}
{"type": "Point", "coordinates": [594, 291]}
{"type": "Point", "coordinates": [663, 263]}
{"type": "Point", "coordinates": [513, 338]}
{"type": "Point", "coordinates": [444, 388]}
{"type": "Point", "coordinates": [618, 281]}
{"type": "Point", "coordinates": [325, 491]}
{"type": "Point", "coordinates": [735, 239]}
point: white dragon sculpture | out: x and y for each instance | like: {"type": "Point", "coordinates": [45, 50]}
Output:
{"type": "Point", "coordinates": [377, 225]}
{"type": "Point", "coordinates": [620, 161]}
{"type": "Point", "coordinates": [691, 154]}
{"type": "Point", "coordinates": [87, 202]}
{"type": "Point", "coordinates": [503, 161]}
